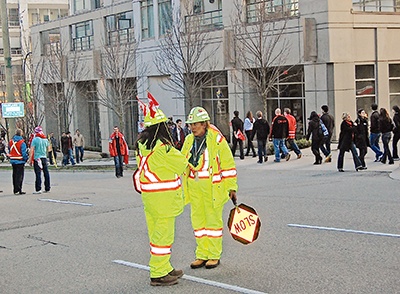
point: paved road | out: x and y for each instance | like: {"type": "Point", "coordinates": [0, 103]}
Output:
{"type": "Point", "coordinates": [54, 247]}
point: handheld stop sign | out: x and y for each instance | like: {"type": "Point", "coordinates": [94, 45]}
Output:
{"type": "Point", "coordinates": [244, 224]}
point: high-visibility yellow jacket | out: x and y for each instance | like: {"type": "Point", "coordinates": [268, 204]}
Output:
{"type": "Point", "coordinates": [158, 178]}
{"type": "Point", "coordinates": [216, 166]}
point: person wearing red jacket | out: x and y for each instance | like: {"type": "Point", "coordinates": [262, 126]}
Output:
{"type": "Point", "coordinates": [118, 149]}
{"type": "Point", "coordinates": [292, 132]}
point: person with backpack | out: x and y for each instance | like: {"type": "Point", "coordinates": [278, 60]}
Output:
{"type": "Point", "coordinates": [329, 122]}
{"type": "Point", "coordinates": [314, 131]}
{"type": "Point", "coordinates": [346, 143]}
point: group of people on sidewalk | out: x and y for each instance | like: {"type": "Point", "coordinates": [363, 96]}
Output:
{"type": "Point", "coordinates": [355, 134]}
{"type": "Point", "coordinates": [283, 129]}
{"type": "Point", "coordinates": [40, 151]}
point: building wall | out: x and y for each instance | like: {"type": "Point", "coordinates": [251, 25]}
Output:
{"type": "Point", "coordinates": [337, 37]}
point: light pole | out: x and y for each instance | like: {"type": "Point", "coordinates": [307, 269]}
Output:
{"type": "Point", "coordinates": [24, 72]}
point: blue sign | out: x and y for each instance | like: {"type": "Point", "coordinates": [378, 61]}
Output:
{"type": "Point", "coordinates": [10, 110]}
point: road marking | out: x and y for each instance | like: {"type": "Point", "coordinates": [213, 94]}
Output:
{"type": "Point", "coordinates": [65, 202]}
{"type": "Point", "coordinates": [344, 230]}
{"type": "Point", "coordinates": [195, 279]}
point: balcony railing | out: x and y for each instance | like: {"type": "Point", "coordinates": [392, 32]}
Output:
{"type": "Point", "coordinates": [376, 5]}
{"type": "Point", "coordinates": [121, 36]}
{"type": "Point", "coordinates": [82, 43]}
{"type": "Point", "coordinates": [265, 11]}
{"type": "Point", "coordinates": [210, 20]}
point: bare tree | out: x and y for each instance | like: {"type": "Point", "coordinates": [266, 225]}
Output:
{"type": "Point", "coordinates": [261, 48]}
{"type": "Point", "coordinates": [62, 70]}
{"type": "Point", "coordinates": [186, 55]}
{"type": "Point", "coordinates": [119, 70]}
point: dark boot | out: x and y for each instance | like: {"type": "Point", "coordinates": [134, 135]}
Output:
{"type": "Point", "coordinates": [167, 280]}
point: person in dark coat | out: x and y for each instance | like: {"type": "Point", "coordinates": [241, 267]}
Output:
{"type": "Point", "coordinates": [346, 142]}
{"type": "Point", "coordinates": [261, 130]}
{"type": "Point", "coordinates": [317, 140]}
{"type": "Point", "coordinates": [329, 122]}
{"type": "Point", "coordinates": [237, 124]}
{"type": "Point", "coordinates": [386, 127]}
{"type": "Point", "coordinates": [361, 135]}
{"type": "Point", "coordinates": [396, 131]}
{"type": "Point", "coordinates": [374, 132]}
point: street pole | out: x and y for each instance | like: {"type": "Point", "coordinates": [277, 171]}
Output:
{"type": "Point", "coordinates": [7, 59]}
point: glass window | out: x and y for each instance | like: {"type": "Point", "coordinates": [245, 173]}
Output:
{"type": "Point", "coordinates": [119, 28]}
{"type": "Point", "coordinates": [214, 98]}
{"type": "Point", "coordinates": [376, 5]}
{"type": "Point", "coordinates": [147, 14]}
{"type": "Point", "coordinates": [394, 84]}
{"type": "Point", "coordinates": [13, 17]}
{"type": "Point", "coordinates": [365, 86]}
{"type": "Point", "coordinates": [164, 15]}
{"type": "Point", "coordinates": [50, 41]}
{"type": "Point", "coordinates": [264, 10]}
{"type": "Point", "coordinates": [82, 36]}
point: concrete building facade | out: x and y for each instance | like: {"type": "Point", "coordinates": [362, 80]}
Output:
{"type": "Point", "coordinates": [22, 14]}
{"type": "Point", "coordinates": [340, 53]}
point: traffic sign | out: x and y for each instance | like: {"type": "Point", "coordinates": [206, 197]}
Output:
{"type": "Point", "coordinates": [12, 109]}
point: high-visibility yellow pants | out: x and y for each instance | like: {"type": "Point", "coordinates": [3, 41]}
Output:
{"type": "Point", "coordinates": [206, 220]}
{"type": "Point", "coordinates": [161, 235]}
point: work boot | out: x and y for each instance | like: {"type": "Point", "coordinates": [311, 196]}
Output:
{"type": "Point", "coordinates": [167, 280]}
{"type": "Point", "coordinates": [176, 273]}
{"type": "Point", "coordinates": [212, 263]}
{"type": "Point", "coordinates": [198, 263]}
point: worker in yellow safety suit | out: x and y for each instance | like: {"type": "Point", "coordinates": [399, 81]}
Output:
{"type": "Point", "coordinates": [209, 181]}
{"type": "Point", "coordinates": [158, 179]}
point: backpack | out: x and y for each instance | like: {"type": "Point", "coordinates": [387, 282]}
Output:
{"type": "Point", "coordinates": [322, 130]}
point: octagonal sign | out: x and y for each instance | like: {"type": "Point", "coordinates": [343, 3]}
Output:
{"type": "Point", "coordinates": [244, 224]}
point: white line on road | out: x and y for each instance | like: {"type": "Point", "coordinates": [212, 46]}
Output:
{"type": "Point", "coordinates": [65, 202]}
{"type": "Point", "coordinates": [344, 230]}
{"type": "Point", "coordinates": [195, 279]}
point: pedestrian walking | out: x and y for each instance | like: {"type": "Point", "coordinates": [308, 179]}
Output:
{"type": "Point", "coordinates": [209, 183]}
{"type": "Point", "coordinates": [18, 156]}
{"type": "Point", "coordinates": [38, 158]}
{"type": "Point", "coordinates": [314, 131]}
{"type": "Point", "coordinates": [329, 122]}
{"type": "Point", "coordinates": [396, 131]}
{"type": "Point", "coordinates": [53, 149]}
{"type": "Point", "coordinates": [346, 143]}
{"type": "Point", "coordinates": [248, 128]}
{"type": "Point", "coordinates": [278, 134]}
{"type": "Point", "coordinates": [292, 132]}
{"type": "Point", "coordinates": [66, 146]}
{"type": "Point", "coordinates": [361, 135]}
{"type": "Point", "coordinates": [386, 127]}
{"type": "Point", "coordinates": [79, 143]}
{"type": "Point", "coordinates": [157, 178]}
{"type": "Point", "coordinates": [261, 130]}
{"type": "Point", "coordinates": [118, 149]}
{"type": "Point", "coordinates": [375, 133]}
{"type": "Point", "coordinates": [237, 127]}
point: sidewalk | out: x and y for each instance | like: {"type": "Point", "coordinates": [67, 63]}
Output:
{"type": "Point", "coordinates": [307, 160]}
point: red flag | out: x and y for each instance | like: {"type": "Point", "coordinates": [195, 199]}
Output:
{"type": "Point", "coordinates": [142, 106]}
{"type": "Point", "coordinates": [152, 99]}
{"type": "Point", "coordinates": [153, 104]}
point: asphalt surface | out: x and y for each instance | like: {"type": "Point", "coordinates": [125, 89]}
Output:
{"type": "Point", "coordinates": [88, 235]}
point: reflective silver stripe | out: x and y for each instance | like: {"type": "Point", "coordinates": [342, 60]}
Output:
{"type": "Point", "coordinates": [148, 174]}
{"type": "Point", "coordinates": [209, 233]}
{"type": "Point", "coordinates": [229, 173]}
{"type": "Point", "coordinates": [217, 178]}
{"type": "Point", "coordinates": [200, 233]}
{"type": "Point", "coordinates": [161, 185]}
{"type": "Point", "coordinates": [160, 250]}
